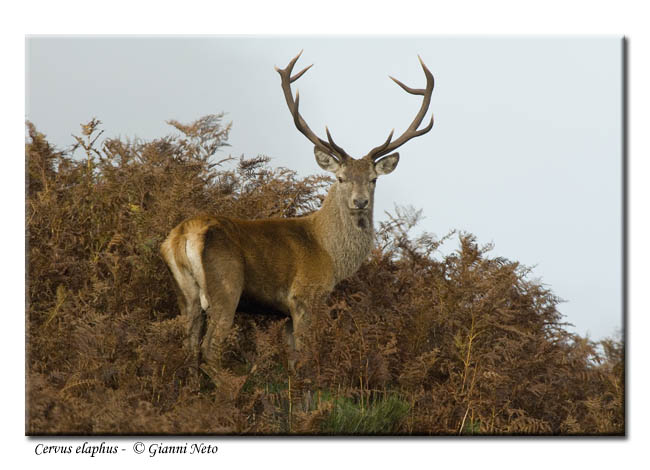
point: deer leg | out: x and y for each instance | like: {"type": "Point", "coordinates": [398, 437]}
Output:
{"type": "Point", "coordinates": [187, 295]}
{"type": "Point", "coordinates": [299, 325]}
{"type": "Point", "coordinates": [291, 343]}
{"type": "Point", "coordinates": [220, 319]}
{"type": "Point", "coordinates": [300, 321]}
{"type": "Point", "coordinates": [288, 335]}
{"type": "Point", "coordinates": [224, 285]}
{"type": "Point", "coordinates": [194, 323]}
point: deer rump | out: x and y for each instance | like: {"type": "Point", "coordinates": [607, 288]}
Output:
{"type": "Point", "coordinates": [219, 261]}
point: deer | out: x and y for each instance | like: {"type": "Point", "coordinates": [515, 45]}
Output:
{"type": "Point", "coordinates": [284, 263]}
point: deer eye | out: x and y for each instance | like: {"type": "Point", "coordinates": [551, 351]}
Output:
{"type": "Point", "coordinates": [373, 181]}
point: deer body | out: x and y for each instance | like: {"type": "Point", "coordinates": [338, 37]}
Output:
{"type": "Point", "coordinates": [285, 263]}
{"type": "Point", "coordinates": [217, 261]}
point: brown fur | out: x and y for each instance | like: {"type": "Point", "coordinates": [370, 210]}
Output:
{"type": "Point", "coordinates": [287, 264]}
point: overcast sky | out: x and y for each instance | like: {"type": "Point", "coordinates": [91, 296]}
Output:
{"type": "Point", "coordinates": [525, 152]}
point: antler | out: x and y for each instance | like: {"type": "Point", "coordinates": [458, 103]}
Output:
{"type": "Point", "coordinates": [300, 123]}
{"type": "Point", "coordinates": [412, 130]}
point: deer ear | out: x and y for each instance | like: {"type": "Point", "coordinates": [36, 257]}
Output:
{"type": "Point", "coordinates": [387, 164]}
{"type": "Point", "coordinates": [325, 160]}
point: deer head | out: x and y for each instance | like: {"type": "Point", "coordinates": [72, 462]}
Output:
{"type": "Point", "coordinates": [356, 178]}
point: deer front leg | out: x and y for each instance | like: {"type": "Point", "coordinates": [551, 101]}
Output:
{"type": "Point", "coordinates": [300, 307]}
{"type": "Point", "coordinates": [300, 321]}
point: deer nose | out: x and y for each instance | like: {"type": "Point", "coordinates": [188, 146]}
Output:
{"type": "Point", "coordinates": [360, 203]}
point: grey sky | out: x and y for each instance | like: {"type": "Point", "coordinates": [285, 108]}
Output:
{"type": "Point", "coordinates": [525, 151]}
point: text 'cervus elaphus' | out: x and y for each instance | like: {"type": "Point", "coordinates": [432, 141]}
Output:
{"type": "Point", "coordinates": [285, 263]}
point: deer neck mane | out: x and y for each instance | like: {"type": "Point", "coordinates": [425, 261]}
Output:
{"type": "Point", "coordinates": [347, 239]}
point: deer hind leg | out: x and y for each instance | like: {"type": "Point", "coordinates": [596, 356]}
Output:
{"type": "Point", "coordinates": [224, 276]}
{"type": "Point", "coordinates": [190, 306]}
{"type": "Point", "coordinates": [189, 303]}
{"type": "Point", "coordinates": [224, 298]}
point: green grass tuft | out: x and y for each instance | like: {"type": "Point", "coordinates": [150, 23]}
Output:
{"type": "Point", "coordinates": [382, 416]}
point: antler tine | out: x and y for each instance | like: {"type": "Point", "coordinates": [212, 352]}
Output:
{"type": "Point", "coordinates": [299, 74]}
{"type": "Point", "coordinates": [287, 70]}
{"type": "Point", "coordinates": [413, 91]}
{"type": "Point", "coordinates": [412, 131]}
{"type": "Point", "coordinates": [301, 125]}
{"type": "Point", "coordinates": [381, 147]}
{"type": "Point", "coordinates": [333, 144]}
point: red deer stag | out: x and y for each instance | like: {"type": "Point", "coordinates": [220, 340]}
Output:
{"type": "Point", "coordinates": [285, 263]}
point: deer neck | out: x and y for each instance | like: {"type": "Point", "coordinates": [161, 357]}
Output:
{"type": "Point", "coordinates": [347, 237]}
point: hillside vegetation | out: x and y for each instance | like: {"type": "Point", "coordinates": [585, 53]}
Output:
{"type": "Point", "coordinates": [416, 342]}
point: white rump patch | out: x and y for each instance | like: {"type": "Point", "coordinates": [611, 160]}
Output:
{"type": "Point", "coordinates": [194, 257]}
{"type": "Point", "coordinates": [204, 301]}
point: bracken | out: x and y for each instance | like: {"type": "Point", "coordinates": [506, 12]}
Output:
{"type": "Point", "coordinates": [415, 342]}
